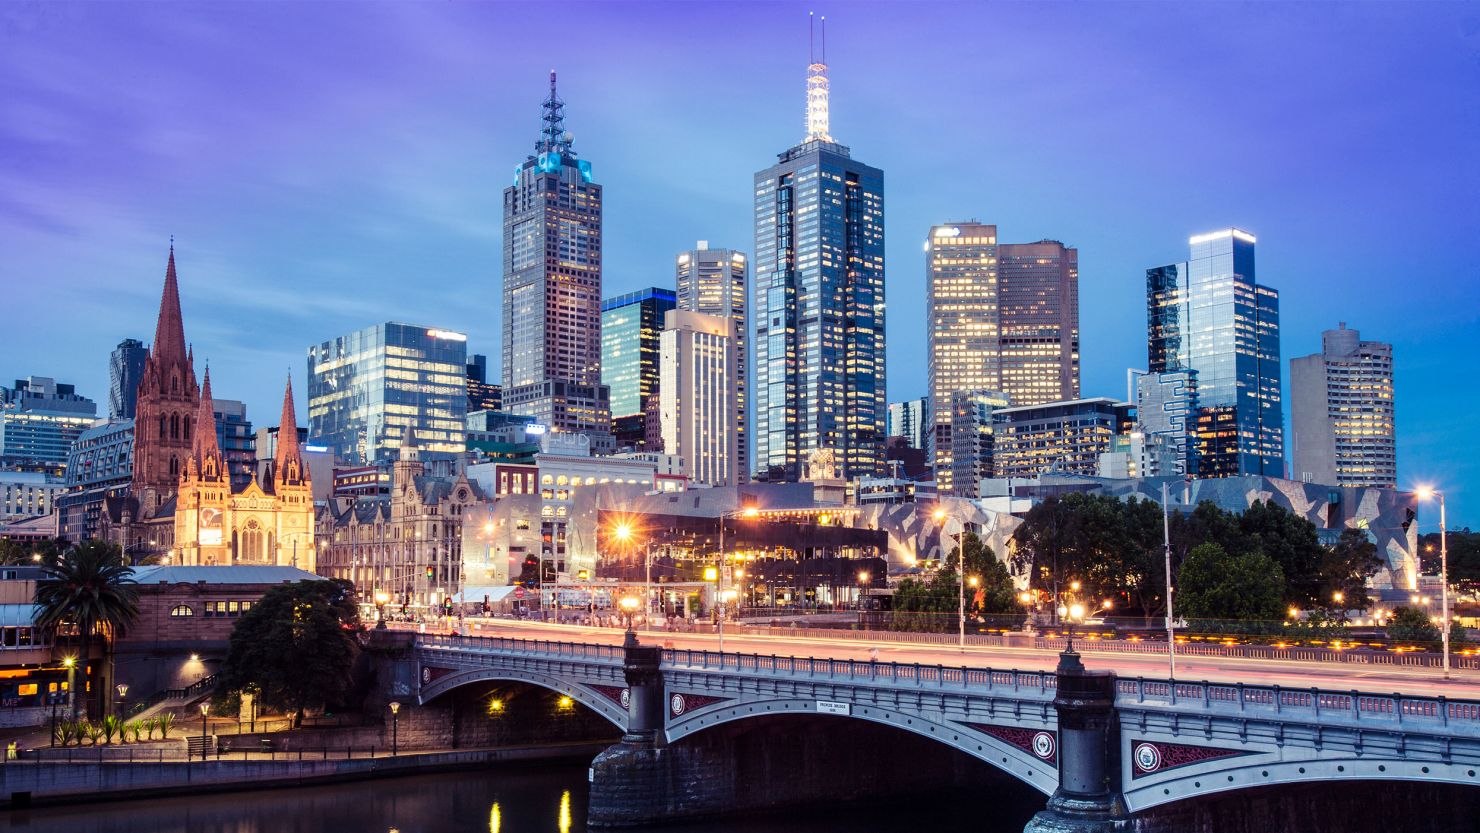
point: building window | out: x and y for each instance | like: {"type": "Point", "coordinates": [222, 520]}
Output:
{"type": "Point", "coordinates": [181, 611]}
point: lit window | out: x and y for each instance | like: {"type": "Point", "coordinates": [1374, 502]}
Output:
{"type": "Point", "coordinates": [179, 611]}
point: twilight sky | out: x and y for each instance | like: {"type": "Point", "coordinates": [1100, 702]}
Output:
{"type": "Point", "coordinates": [327, 166]}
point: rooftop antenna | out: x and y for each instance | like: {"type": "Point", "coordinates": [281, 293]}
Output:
{"type": "Point", "coordinates": [817, 89]}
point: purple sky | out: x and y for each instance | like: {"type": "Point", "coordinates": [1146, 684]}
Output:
{"type": "Point", "coordinates": [327, 166]}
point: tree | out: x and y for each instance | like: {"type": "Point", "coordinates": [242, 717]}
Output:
{"type": "Point", "coordinates": [1345, 569]}
{"type": "Point", "coordinates": [26, 552]}
{"type": "Point", "coordinates": [1412, 624]}
{"type": "Point", "coordinates": [295, 647]}
{"type": "Point", "coordinates": [994, 591]}
{"type": "Point", "coordinates": [1215, 585]}
{"type": "Point", "coordinates": [90, 589]}
{"type": "Point", "coordinates": [1291, 542]}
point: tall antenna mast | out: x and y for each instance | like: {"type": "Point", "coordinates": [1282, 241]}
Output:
{"type": "Point", "coordinates": [553, 136]}
{"type": "Point", "coordinates": [817, 90]}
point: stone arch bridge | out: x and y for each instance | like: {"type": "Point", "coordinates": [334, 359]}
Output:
{"type": "Point", "coordinates": [1104, 749]}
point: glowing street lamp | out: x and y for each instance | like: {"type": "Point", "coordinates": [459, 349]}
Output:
{"type": "Point", "coordinates": [382, 598]}
{"type": "Point", "coordinates": [395, 706]}
{"type": "Point", "coordinates": [1426, 493]}
{"type": "Point", "coordinates": [629, 608]}
{"type": "Point", "coordinates": [205, 709]}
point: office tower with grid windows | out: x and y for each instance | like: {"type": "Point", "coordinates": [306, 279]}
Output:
{"type": "Point", "coordinates": [630, 326]}
{"type": "Point", "coordinates": [1038, 324]}
{"type": "Point", "coordinates": [552, 287]}
{"type": "Point", "coordinates": [717, 282]}
{"type": "Point", "coordinates": [819, 304]}
{"type": "Point", "coordinates": [1208, 314]}
{"type": "Point", "coordinates": [1341, 413]}
{"type": "Point", "coordinates": [125, 368]}
{"type": "Point", "coordinates": [697, 395]}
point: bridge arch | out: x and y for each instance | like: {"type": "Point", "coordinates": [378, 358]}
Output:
{"type": "Point", "coordinates": [612, 711]}
{"type": "Point", "coordinates": [1250, 773]}
{"type": "Point", "coordinates": [1040, 774]}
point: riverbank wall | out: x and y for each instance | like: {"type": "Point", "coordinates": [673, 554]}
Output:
{"type": "Point", "coordinates": [31, 783]}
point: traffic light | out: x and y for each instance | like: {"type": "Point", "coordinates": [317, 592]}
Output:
{"type": "Point", "coordinates": [429, 572]}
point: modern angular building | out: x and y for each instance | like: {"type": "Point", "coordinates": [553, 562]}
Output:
{"type": "Point", "coordinates": [819, 303]}
{"type": "Point", "coordinates": [1210, 315]}
{"type": "Point", "coordinates": [630, 327]}
{"type": "Point", "coordinates": [1038, 303]}
{"type": "Point", "coordinates": [39, 420]}
{"type": "Point", "coordinates": [1166, 407]}
{"type": "Point", "coordinates": [366, 388]}
{"type": "Point", "coordinates": [552, 287]}
{"type": "Point", "coordinates": [482, 395]}
{"type": "Point", "coordinates": [100, 467]}
{"type": "Point", "coordinates": [717, 282]}
{"type": "Point", "coordinates": [1341, 412]}
{"type": "Point", "coordinates": [1057, 437]}
{"type": "Point", "coordinates": [125, 368]}
{"type": "Point", "coordinates": [697, 396]}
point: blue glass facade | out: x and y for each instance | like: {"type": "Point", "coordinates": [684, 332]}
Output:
{"type": "Point", "coordinates": [1210, 315]}
{"type": "Point", "coordinates": [630, 326]}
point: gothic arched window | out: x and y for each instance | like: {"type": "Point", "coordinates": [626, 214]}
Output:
{"type": "Point", "coordinates": [174, 426]}
{"type": "Point", "coordinates": [187, 427]}
{"type": "Point", "coordinates": [162, 431]}
{"type": "Point", "coordinates": [174, 466]}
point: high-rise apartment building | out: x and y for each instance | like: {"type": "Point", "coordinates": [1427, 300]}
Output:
{"type": "Point", "coordinates": [40, 418]}
{"type": "Point", "coordinates": [1210, 315]}
{"type": "Point", "coordinates": [1038, 305]}
{"type": "Point", "coordinates": [482, 395]}
{"type": "Point", "coordinates": [819, 302]}
{"type": "Point", "coordinates": [552, 287]}
{"type": "Point", "coordinates": [1166, 408]}
{"type": "Point", "coordinates": [1003, 318]}
{"type": "Point", "coordinates": [717, 282]}
{"type": "Point", "coordinates": [972, 446]}
{"type": "Point", "coordinates": [697, 395]}
{"type": "Point", "coordinates": [125, 368]}
{"type": "Point", "coordinates": [911, 419]}
{"type": "Point", "coordinates": [630, 326]}
{"type": "Point", "coordinates": [1341, 412]}
{"type": "Point", "coordinates": [365, 388]}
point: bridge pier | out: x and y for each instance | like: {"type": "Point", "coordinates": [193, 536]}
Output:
{"type": "Point", "coordinates": [629, 780]}
{"type": "Point", "coordinates": [1088, 798]}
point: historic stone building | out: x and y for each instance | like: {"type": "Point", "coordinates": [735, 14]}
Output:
{"type": "Point", "coordinates": [407, 545]}
{"type": "Point", "coordinates": [268, 521]}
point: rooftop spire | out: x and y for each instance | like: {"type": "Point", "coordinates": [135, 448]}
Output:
{"type": "Point", "coordinates": [287, 461]}
{"type": "Point", "coordinates": [169, 330]}
{"type": "Point", "coordinates": [817, 84]}
{"type": "Point", "coordinates": [553, 136]}
{"type": "Point", "coordinates": [205, 424]}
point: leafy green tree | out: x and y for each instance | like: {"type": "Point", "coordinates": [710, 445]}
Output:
{"type": "Point", "coordinates": [1291, 542]}
{"type": "Point", "coordinates": [1412, 624]}
{"type": "Point", "coordinates": [89, 589]}
{"type": "Point", "coordinates": [1215, 585]}
{"type": "Point", "coordinates": [26, 552]}
{"type": "Point", "coordinates": [295, 647]}
{"type": "Point", "coordinates": [1464, 557]}
{"type": "Point", "coordinates": [994, 591]}
{"type": "Point", "coordinates": [1345, 569]}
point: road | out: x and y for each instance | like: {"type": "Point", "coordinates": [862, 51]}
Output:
{"type": "Point", "coordinates": [1294, 674]}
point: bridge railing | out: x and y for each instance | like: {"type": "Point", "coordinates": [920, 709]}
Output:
{"type": "Point", "coordinates": [1315, 703]}
{"type": "Point", "coordinates": [564, 650]}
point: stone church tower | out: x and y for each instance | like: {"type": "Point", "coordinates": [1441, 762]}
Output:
{"type": "Point", "coordinates": [204, 499]}
{"type": "Point", "coordinates": [168, 406]}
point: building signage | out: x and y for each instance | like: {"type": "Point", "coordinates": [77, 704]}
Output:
{"type": "Point", "coordinates": [829, 707]}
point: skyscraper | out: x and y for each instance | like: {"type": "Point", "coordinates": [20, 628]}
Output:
{"type": "Point", "coordinates": [717, 282]}
{"type": "Point", "coordinates": [630, 326]}
{"type": "Point", "coordinates": [552, 287]}
{"type": "Point", "coordinates": [482, 395]}
{"type": "Point", "coordinates": [911, 419]}
{"type": "Point", "coordinates": [1166, 408]}
{"type": "Point", "coordinates": [972, 446]}
{"type": "Point", "coordinates": [819, 297]}
{"type": "Point", "coordinates": [125, 366]}
{"type": "Point", "coordinates": [366, 388]}
{"type": "Point", "coordinates": [697, 395]}
{"type": "Point", "coordinates": [1209, 314]}
{"type": "Point", "coordinates": [1038, 304]}
{"type": "Point", "coordinates": [1341, 412]}
{"type": "Point", "coordinates": [962, 307]}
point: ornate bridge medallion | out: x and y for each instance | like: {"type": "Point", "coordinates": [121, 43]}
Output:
{"type": "Point", "coordinates": [1042, 745]}
{"type": "Point", "coordinates": [617, 694]}
{"type": "Point", "coordinates": [1154, 756]}
{"type": "Point", "coordinates": [678, 704]}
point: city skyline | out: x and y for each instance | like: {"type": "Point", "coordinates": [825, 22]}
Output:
{"type": "Point", "coordinates": [271, 264]}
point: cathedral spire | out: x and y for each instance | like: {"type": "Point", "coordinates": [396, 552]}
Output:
{"type": "Point", "coordinates": [205, 424]}
{"type": "Point", "coordinates": [287, 459]}
{"type": "Point", "coordinates": [169, 331]}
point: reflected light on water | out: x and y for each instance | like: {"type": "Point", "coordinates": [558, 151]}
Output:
{"type": "Point", "coordinates": [565, 812]}
{"type": "Point", "coordinates": [495, 818]}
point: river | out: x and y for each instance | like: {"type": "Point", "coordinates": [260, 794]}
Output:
{"type": "Point", "coordinates": [524, 799]}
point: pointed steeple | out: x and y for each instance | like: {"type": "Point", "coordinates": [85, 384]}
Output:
{"type": "Point", "coordinates": [408, 444]}
{"type": "Point", "coordinates": [169, 331]}
{"type": "Point", "coordinates": [205, 424]}
{"type": "Point", "coordinates": [287, 459]}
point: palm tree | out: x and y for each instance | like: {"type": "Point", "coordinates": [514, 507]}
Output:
{"type": "Point", "coordinates": [89, 588]}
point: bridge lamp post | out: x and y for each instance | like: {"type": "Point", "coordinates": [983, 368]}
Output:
{"type": "Point", "coordinates": [629, 609]}
{"type": "Point", "coordinates": [1426, 493]}
{"type": "Point", "coordinates": [863, 579]}
{"type": "Point", "coordinates": [1071, 613]}
{"type": "Point", "coordinates": [71, 664]}
{"type": "Point", "coordinates": [382, 599]}
{"type": "Point", "coordinates": [395, 727]}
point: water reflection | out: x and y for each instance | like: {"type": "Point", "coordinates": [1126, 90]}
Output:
{"type": "Point", "coordinates": [529, 800]}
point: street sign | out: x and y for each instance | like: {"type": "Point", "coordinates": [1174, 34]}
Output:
{"type": "Point", "coordinates": [829, 707]}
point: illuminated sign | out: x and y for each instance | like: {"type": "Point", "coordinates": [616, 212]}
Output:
{"type": "Point", "coordinates": [446, 334]}
{"type": "Point", "coordinates": [535, 428]}
{"type": "Point", "coordinates": [1219, 235]}
{"type": "Point", "coordinates": [950, 231]}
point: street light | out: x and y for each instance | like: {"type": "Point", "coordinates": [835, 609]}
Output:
{"type": "Point", "coordinates": [122, 689]}
{"type": "Point", "coordinates": [863, 579]}
{"type": "Point", "coordinates": [71, 664]}
{"type": "Point", "coordinates": [940, 515]}
{"type": "Point", "coordinates": [1071, 613]}
{"type": "Point", "coordinates": [205, 709]}
{"type": "Point", "coordinates": [395, 727]}
{"type": "Point", "coordinates": [1428, 493]}
{"type": "Point", "coordinates": [382, 599]}
{"type": "Point", "coordinates": [629, 607]}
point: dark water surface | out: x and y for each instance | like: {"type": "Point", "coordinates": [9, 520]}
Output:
{"type": "Point", "coordinates": [526, 799]}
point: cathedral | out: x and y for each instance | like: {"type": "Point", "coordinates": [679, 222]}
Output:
{"type": "Point", "coordinates": [182, 508]}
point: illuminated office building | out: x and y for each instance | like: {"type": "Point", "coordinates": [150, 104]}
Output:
{"type": "Point", "coordinates": [717, 282]}
{"type": "Point", "coordinates": [552, 287]}
{"type": "Point", "coordinates": [482, 394]}
{"type": "Point", "coordinates": [39, 420]}
{"type": "Point", "coordinates": [911, 419]}
{"type": "Point", "coordinates": [1038, 325]}
{"type": "Point", "coordinates": [1057, 437]}
{"type": "Point", "coordinates": [819, 301]}
{"type": "Point", "coordinates": [1341, 412]}
{"type": "Point", "coordinates": [962, 307]}
{"type": "Point", "coordinates": [366, 388]}
{"type": "Point", "coordinates": [125, 369]}
{"type": "Point", "coordinates": [1209, 315]}
{"type": "Point", "coordinates": [630, 326]}
{"type": "Point", "coordinates": [697, 396]}
{"type": "Point", "coordinates": [972, 446]}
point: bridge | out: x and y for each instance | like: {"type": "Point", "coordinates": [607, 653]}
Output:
{"type": "Point", "coordinates": [1105, 749]}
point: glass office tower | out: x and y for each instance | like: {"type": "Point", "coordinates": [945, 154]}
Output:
{"type": "Point", "coordinates": [819, 301]}
{"type": "Point", "coordinates": [717, 282]}
{"type": "Point", "coordinates": [962, 306]}
{"type": "Point", "coordinates": [1038, 321]}
{"type": "Point", "coordinates": [366, 387]}
{"type": "Point", "coordinates": [1211, 316]}
{"type": "Point", "coordinates": [630, 327]}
